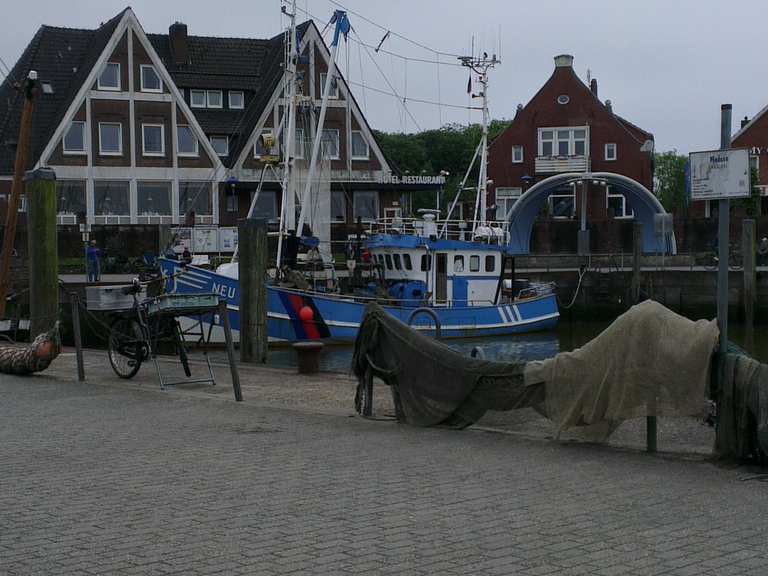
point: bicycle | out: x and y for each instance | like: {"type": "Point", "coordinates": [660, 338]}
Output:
{"type": "Point", "coordinates": [131, 336]}
{"type": "Point", "coordinates": [735, 259]}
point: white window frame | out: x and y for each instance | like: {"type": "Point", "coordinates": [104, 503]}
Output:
{"type": "Point", "coordinates": [515, 158]}
{"type": "Point", "coordinates": [75, 152]}
{"type": "Point", "coordinates": [227, 139]}
{"type": "Point", "coordinates": [562, 195]}
{"type": "Point", "coordinates": [117, 88]}
{"type": "Point", "coordinates": [194, 154]}
{"type": "Point", "coordinates": [506, 196]}
{"type": "Point", "coordinates": [334, 94]}
{"type": "Point", "coordinates": [141, 76]}
{"type": "Point", "coordinates": [148, 217]}
{"type": "Point", "coordinates": [556, 141]}
{"type": "Point", "coordinates": [338, 142]}
{"type": "Point", "coordinates": [208, 99]}
{"type": "Point", "coordinates": [162, 140]}
{"type": "Point", "coordinates": [627, 213]}
{"type": "Point", "coordinates": [610, 157]}
{"type": "Point", "coordinates": [352, 147]}
{"type": "Point", "coordinates": [202, 93]}
{"type": "Point", "coordinates": [120, 139]}
{"type": "Point", "coordinates": [229, 99]}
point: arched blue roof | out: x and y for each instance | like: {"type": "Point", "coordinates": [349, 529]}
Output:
{"type": "Point", "coordinates": [641, 200]}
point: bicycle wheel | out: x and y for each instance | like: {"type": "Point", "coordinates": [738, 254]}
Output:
{"type": "Point", "coordinates": [126, 347]}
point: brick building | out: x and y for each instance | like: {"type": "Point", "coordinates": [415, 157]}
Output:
{"type": "Point", "coordinates": [566, 128]}
{"type": "Point", "coordinates": [147, 129]}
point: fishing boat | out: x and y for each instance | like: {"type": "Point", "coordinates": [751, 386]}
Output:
{"type": "Point", "coordinates": [423, 271]}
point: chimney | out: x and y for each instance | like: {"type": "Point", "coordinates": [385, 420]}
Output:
{"type": "Point", "coordinates": [745, 121]}
{"type": "Point", "coordinates": [593, 86]}
{"type": "Point", "coordinates": [564, 61]}
{"type": "Point", "coordinates": [609, 105]}
{"type": "Point", "coordinates": [177, 36]}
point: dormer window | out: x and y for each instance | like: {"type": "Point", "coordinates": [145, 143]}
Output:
{"type": "Point", "coordinates": [215, 99]}
{"type": "Point", "coordinates": [236, 100]}
{"type": "Point", "coordinates": [150, 81]}
{"type": "Point", "coordinates": [197, 98]}
{"type": "Point", "coordinates": [109, 79]}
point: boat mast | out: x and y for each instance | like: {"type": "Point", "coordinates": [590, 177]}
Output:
{"type": "Point", "coordinates": [480, 66]}
{"type": "Point", "coordinates": [342, 27]}
{"type": "Point", "coordinates": [289, 132]}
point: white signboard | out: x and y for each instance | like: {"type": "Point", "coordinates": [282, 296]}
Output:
{"type": "Point", "coordinates": [183, 237]}
{"type": "Point", "coordinates": [227, 239]}
{"type": "Point", "coordinates": [720, 174]}
{"type": "Point", "coordinates": [205, 240]}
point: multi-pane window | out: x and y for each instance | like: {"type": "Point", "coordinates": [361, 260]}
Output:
{"type": "Point", "coordinates": [70, 196]}
{"type": "Point", "coordinates": [152, 139]}
{"type": "Point", "coordinates": [505, 199]}
{"type": "Point", "coordinates": [338, 206]}
{"type": "Point", "coordinates": [195, 197]}
{"type": "Point", "coordinates": [236, 99]}
{"type": "Point", "coordinates": [110, 138]}
{"type": "Point", "coordinates": [360, 149]}
{"type": "Point", "coordinates": [616, 203]}
{"type": "Point", "coordinates": [365, 205]}
{"type": "Point", "coordinates": [109, 79]}
{"type": "Point", "coordinates": [562, 202]}
{"type": "Point", "coordinates": [334, 86]}
{"type": "Point", "coordinates": [111, 197]}
{"type": "Point", "coordinates": [150, 80]}
{"type": "Point", "coordinates": [74, 139]}
{"type": "Point", "coordinates": [563, 142]}
{"type": "Point", "coordinates": [153, 198]}
{"type": "Point", "coordinates": [215, 99]}
{"type": "Point", "coordinates": [517, 154]}
{"type": "Point", "coordinates": [610, 151]}
{"type": "Point", "coordinates": [186, 141]}
{"type": "Point", "coordinates": [220, 145]}
{"type": "Point", "coordinates": [197, 98]}
{"type": "Point", "coordinates": [330, 143]}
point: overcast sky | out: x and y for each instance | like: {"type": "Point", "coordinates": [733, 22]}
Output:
{"type": "Point", "coordinates": [666, 65]}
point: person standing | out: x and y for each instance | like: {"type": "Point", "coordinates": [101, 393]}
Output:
{"type": "Point", "coordinates": [92, 262]}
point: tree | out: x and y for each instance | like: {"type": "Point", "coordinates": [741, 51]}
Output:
{"type": "Point", "coordinates": [669, 180]}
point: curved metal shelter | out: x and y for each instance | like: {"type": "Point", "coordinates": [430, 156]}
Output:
{"type": "Point", "coordinates": [642, 201]}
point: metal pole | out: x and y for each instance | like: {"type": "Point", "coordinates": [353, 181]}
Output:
{"type": "Point", "coordinates": [224, 318]}
{"type": "Point", "coordinates": [723, 231]}
{"type": "Point", "coordinates": [78, 337]}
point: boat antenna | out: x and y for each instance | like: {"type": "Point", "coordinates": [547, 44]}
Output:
{"type": "Point", "coordinates": [289, 89]}
{"type": "Point", "coordinates": [480, 66]}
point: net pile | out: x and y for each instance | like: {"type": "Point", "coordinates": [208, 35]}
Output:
{"type": "Point", "coordinates": [34, 357]}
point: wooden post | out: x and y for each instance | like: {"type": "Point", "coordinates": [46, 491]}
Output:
{"type": "Point", "coordinates": [75, 299]}
{"type": "Point", "coordinates": [224, 319]}
{"type": "Point", "coordinates": [637, 249]}
{"type": "Point", "coordinates": [252, 241]}
{"type": "Point", "coordinates": [43, 250]}
{"type": "Point", "coordinates": [22, 147]}
{"type": "Point", "coordinates": [748, 252]}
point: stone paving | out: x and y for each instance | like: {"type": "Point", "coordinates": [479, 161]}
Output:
{"type": "Point", "coordinates": [108, 477]}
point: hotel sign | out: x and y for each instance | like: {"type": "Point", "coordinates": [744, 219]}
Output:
{"type": "Point", "coordinates": [389, 178]}
{"type": "Point", "coordinates": [720, 174]}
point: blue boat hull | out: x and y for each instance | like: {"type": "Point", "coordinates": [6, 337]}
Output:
{"type": "Point", "coordinates": [336, 317]}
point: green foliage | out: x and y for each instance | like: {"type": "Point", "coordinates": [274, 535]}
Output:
{"type": "Point", "coordinates": [448, 148]}
{"type": "Point", "coordinates": [669, 180]}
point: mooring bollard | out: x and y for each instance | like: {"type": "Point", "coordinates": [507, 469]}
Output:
{"type": "Point", "coordinates": [308, 356]}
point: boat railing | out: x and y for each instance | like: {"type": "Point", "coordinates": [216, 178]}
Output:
{"type": "Point", "coordinates": [454, 229]}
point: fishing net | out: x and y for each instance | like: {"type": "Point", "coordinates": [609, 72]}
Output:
{"type": "Point", "coordinates": [649, 362]}
{"type": "Point", "coordinates": [34, 357]}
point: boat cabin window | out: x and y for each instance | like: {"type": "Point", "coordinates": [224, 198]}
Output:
{"type": "Point", "coordinates": [407, 261]}
{"type": "Point", "coordinates": [490, 263]}
{"type": "Point", "coordinates": [426, 262]}
{"type": "Point", "coordinates": [474, 263]}
{"type": "Point", "coordinates": [398, 263]}
{"type": "Point", "coordinates": [458, 263]}
{"type": "Point", "coordinates": [389, 261]}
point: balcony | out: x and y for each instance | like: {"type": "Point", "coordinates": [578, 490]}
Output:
{"type": "Point", "coordinates": [559, 164]}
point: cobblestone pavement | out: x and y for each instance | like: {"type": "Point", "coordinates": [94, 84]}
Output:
{"type": "Point", "coordinates": [110, 479]}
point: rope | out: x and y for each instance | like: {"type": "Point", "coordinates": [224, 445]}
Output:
{"type": "Point", "coordinates": [419, 100]}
